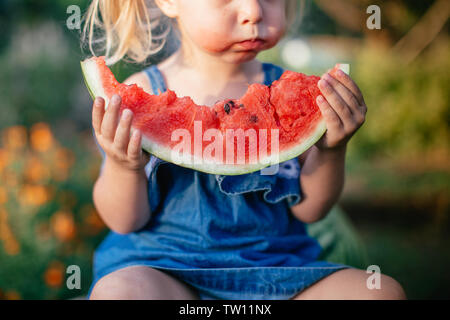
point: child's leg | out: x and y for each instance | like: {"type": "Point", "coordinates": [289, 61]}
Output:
{"type": "Point", "coordinates": [351, 284]}
{"type": "Point", "coordinates": [140, 282]}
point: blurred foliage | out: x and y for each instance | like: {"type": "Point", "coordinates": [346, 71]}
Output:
{"type": "Point", "coordinates": [403, 148]}
{"type": "Point", "coordinates": [47, 219]}
{"type": "Point", "coordinates": [40, 79]}
{"type": "Point", "coordinates": [408, 105]}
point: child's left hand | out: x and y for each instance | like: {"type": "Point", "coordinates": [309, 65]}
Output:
{"type": "Point", "coordinates": [343, 108]}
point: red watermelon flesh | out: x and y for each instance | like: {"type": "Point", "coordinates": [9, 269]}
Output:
{"type": "Point", "coordinates": [286, 111]}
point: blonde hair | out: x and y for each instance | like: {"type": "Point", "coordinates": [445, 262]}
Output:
{"type": "Point", "coordinates": [126, 29]}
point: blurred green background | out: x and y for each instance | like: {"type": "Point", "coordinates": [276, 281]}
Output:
{"type": "Point", "coordinates": [397, 174]}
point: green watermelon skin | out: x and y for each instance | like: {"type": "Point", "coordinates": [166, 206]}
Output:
{"type": "Point", "coordinates": [288, 106]}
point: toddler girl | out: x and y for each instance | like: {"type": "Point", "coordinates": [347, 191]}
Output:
{"type": "Point", "coordinates": [183, 234]}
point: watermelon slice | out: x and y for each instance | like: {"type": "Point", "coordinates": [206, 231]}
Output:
{"type": "Point", "coordinates": [268, 125]}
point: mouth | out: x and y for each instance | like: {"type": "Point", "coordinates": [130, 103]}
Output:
{"type": "Point", "coordinates": [252, 44]}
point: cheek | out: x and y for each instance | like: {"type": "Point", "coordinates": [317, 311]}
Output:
{"type": "Point", "coordinates": [213, 40]}
{"type": "Point", "coordinates": [276, 25]}
{"type": "Point", "coordinates": [209, 31]}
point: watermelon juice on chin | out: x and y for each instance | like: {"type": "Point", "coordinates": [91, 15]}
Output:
{"type": "Point", "coordinates": [268, 125]}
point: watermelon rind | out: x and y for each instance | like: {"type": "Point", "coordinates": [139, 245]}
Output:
{"type": "Point", "coordinates": [93, 82]}
{"type": "Point", "coordinates": [165, 153]}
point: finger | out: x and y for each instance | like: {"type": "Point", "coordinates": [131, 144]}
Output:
{"type": "Point", "coordinates": [98, 110]}
{"type": "Point", "coordinates": [332, 120]}
{"type": "Point", "coordinates": [335, 101]}
{"type": "Point", "coordinates": [347, 95]}
{"type": "Point", "coordinates": [122, 135]}
{"type": "Point", "coordinates": [111, 117]}
{"type": "Point", "coordinates": [351, 85]}
{"type": "Point", "coordinates": [134, 146]}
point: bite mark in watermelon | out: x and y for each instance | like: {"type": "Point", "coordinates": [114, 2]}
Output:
{"type": "Point", "coordinates": [281, 121]}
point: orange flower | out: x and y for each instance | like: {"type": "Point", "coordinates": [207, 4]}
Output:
{"type": "Point", "coordinates": [64, 158]}
{"type": "Point", "coordinates": [12, 295]}
{"type": "Point", "coordinates": [15, 137]}
{"type": "Point", "coordinates": [41, 137]}
{"type": "Point", "coordinates": [34, 195]}
{"type": "Point", "coordinates": [4, 159]}
{"type": "Point", "coordinates": [12, 247]}
{"type": "Point", "coordinates": [63, 225]}
{"type": "Point", "coordinates": [10, 178]}
{"type": "Point", "coordinates": [54, 275]}
{"type": "Point", "coordinates": [3, 195]}
{"type": "Point", "coordinates": [35, 170]}
{"type": "Point", "coordinates": [60, 174]}
{"type": "Point", "coordinates": [10, 243]}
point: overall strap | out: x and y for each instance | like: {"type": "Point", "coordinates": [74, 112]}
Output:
{"type": "Point", "coordinates": [156, 79]}
{"type": "Point", "coordinates": [272, 72]}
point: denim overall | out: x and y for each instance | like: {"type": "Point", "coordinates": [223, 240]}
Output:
{"type": "Point", "coordinates": [228, 237]}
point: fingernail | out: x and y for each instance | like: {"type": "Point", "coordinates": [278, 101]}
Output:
{"type": "Point", "coordinates": [126, 114]}
{"type": "Point", "coordinates": [327, 76]}
{"type": "Point", "coordinates": [115, 99]}
{"type": "Point", "coordinates": [323, 83]}
{"type": "Point", "coordinates": [340, 73]}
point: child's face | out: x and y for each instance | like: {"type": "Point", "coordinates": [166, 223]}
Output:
{"type": "Point", "coordinates": [217, 26]}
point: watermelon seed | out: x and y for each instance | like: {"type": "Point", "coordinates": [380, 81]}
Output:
{"type": "Point", "coordinates": [231, 102]}
{"type": "Point", "coordinates": [253, 118]}
{"type": "Point", "coordinates": [226, 107]}
{"type": "Point", "coordinates": [241, 106]}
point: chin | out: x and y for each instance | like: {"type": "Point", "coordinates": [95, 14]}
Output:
{"type": "Point", "coordinates": [244, 56]}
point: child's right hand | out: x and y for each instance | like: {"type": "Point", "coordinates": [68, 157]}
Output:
{"type": "Point", "coordinates": [113, 135]}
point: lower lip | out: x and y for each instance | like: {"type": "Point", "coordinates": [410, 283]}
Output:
{"type": "Point", "coordinates": [251, 45]}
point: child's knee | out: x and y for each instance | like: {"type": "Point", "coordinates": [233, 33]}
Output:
{"type": "Point", "coordinates": [390, 290]}
{"type": "Point", "coordinates": [111, 287]}
{"type": "Point", "coordinates": [139, 282]}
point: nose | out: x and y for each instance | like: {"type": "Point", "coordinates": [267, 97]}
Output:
{"type": "Point", "coordinates": [250, 11]}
